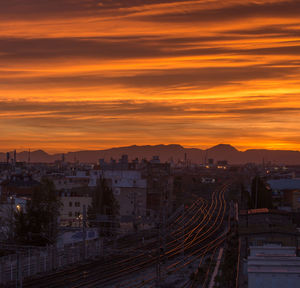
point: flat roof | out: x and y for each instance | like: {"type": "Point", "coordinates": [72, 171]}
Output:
{"type": "Point", "coordinates": [285, 184]}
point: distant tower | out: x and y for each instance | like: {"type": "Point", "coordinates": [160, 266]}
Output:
{"type": "Point", "coordinates": [7, 157]}
{"type": "Point", "coordinates": [28, 156]}
{"type": "Point", "coordinates": [15, 157]}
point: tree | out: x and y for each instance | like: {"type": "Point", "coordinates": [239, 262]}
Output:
{"type": "Point", "coordinates": [7, 223]}
{"type": "Point", "coordinates": [38, 224]}
{"type": "Point", "coordinates": [178, 191]}
{"type": "Point", "coordinates": [245, 202]}
{"type": "Point", "coordinates": [261, 196]}
{"type": "Point", "coordinates": [103, 203]}
{"type": "Point", "coordinates": [229, 265]}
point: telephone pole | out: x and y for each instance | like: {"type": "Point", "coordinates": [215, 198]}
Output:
{"type": "Point", "coordinates": [256, 191]}
{"type": "Point", "coordinates": [162, 235]}
{"type": "Point", "coordinates": [19, 280]}
{"type": "Point", "coordinates": [84, 231]}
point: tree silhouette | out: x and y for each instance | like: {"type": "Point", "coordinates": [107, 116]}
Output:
{"type": "Point", "coordinates": [261, 196]}
{"type": "Point", "coordinates": [103, 203]}
{"type": "Point", "coordinates": [38, 224]}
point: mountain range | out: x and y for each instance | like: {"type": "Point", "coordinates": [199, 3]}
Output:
{"type": "Point", "coordinates": [166, 153]}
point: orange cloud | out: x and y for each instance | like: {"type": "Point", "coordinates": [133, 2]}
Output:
{"type": "Point", "coordinates": [95, 74]}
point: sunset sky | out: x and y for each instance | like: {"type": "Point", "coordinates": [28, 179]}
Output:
{"type": "Point", "coordinates": [95, 74]}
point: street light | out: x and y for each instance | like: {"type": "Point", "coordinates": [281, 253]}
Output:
{"type": "Point", "coordinates": [79, 218]}
{"type": "Point", "coordinates": [19, 208]}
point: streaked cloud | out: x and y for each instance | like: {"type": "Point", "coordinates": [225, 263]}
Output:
{"type": "Point", "coordinates": [95, 74]}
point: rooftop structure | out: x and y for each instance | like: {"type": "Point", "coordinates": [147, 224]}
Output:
{"type": "Point", "coordinates": [273, 266]}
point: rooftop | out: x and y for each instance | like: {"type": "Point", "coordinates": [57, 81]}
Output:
{"type": "Point", "coordinates": [285, 184]}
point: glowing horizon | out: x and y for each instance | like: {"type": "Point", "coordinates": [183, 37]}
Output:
{"type": "Point", "coordinates": [91, 75]}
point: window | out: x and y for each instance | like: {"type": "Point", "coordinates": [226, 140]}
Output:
{"type": "Point", "coordinates": [70, 214]}
{"type": "Point", "coordinates": [77, 204]}
{"type": "Point", "coordinates": [70, 204]}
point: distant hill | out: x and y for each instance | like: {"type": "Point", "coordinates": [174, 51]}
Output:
{"type": "Point", "coordinates": [168, 152]}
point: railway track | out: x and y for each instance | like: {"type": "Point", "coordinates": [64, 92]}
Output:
{"type": "Point", "coordinates": [195, 254]}
{"type": "Point", "coordinates": [202, 224]}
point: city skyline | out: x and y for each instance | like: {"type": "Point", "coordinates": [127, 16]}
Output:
{"type": "Point", "coordinates": [86, 75]}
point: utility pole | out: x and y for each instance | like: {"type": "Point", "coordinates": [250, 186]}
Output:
{"type": "Point", "coordinates": [183, 228]}
{"type": "Point", "coordinates": [162, 233]}
{"type": "Point", "coordinates": [256, 192]}
{"type": "Point", "coordinates": [19, 282]}
{"type": "Point", "coordinates": [183, 235]}
{"type": "Point", "coordinates": [11, 216]}
{"type": "Point", "coordinates": [28, 161]}
{"type": "Point", "coordinates": [15, 158]}
{"type": "Point", "coordinates": [158, 264]}
{"type": "Point", "coordinates": [164, 222]}
{"type": "Point", "coordinates": [84, 231]}
{"type": "Point", "coordinates": [7, 159]}
{"type": "Point", "coordinates": [135, 224]}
